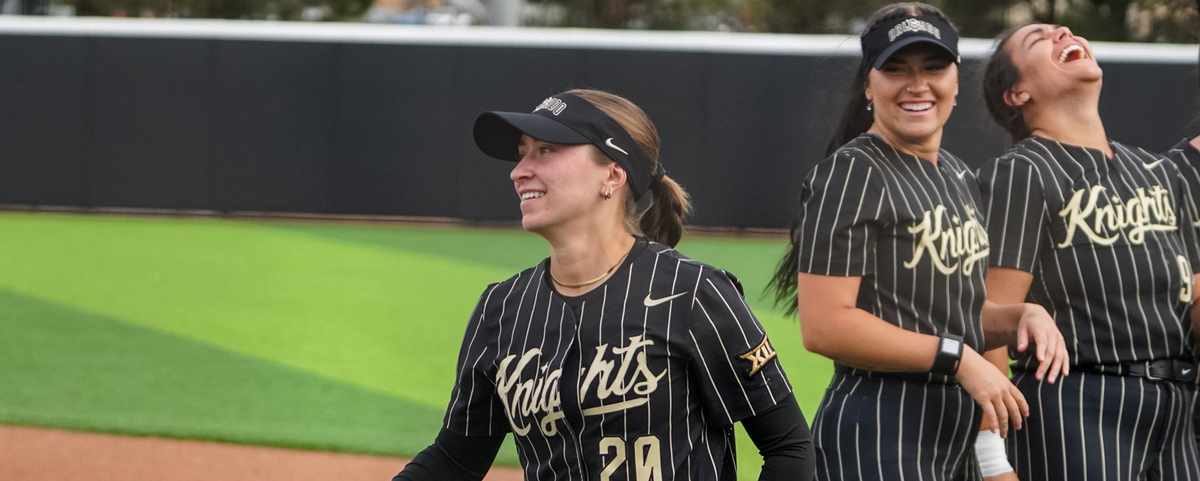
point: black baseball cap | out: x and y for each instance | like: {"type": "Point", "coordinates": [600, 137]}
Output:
{"type": "Point", "coordinates": [564, 119]}
{"type": "Point", "coordinates": [888, 37]}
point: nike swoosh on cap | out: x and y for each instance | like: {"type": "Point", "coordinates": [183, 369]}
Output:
{"type": "Point", "coordinates": [609, 143]}
{"type": "Point", "coordinates": [654, 302]}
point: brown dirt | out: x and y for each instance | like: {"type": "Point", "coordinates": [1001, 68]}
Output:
{"type": "Point", "coordinates": [52, 454]}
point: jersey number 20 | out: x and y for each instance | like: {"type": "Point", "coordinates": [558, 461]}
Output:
{"type": "Point", "coordinates": [647, 458]}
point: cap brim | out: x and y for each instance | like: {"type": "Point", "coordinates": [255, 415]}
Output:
{"type": "Point", "coordinates": [895, 47]}
{"type": "Point", "coordinates": [498, 134]}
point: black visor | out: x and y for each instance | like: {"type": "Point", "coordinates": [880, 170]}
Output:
{"type": "Point", "coordinates": [888, 37]}
{"type": "Point", "coordinates": [564, 119]}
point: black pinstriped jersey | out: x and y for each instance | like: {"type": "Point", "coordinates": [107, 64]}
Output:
{"type": "Point", "coordinates": [1187, 159]}
{"type": "Point", "coordinates": [1102, 239]}
{"type": "Point", "coordinates": [910, 228]}
{"type": "Point", "coordinates": [644, 382]}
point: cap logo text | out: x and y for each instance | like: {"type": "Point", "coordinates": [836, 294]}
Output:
{"type": "Point", "coordinates": [913, 25]}
{"type": "Point", "coordinates": [555, 106]}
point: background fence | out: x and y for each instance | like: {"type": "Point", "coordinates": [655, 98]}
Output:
{"type": "Point", "coordinates": [369, 119]}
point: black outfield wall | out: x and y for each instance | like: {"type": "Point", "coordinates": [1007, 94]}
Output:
{"type": "Point", "coordinates": [358, 119]}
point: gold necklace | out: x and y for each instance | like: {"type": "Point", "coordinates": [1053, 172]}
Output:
{"type": "Point", "coordinates": [593, 281]}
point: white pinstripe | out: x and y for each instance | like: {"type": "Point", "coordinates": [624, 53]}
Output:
{"type": "Point", "coordinates": [1138, 288]}
{"type": "Point", "coordinates": [812, 253]}
{"type": "Point", "coordinates": [462, 370]}
{"type": "Point", "coordinates": [1062, 429]}
{"type": "Point", "coordinates": [958, 427]}
{"type": "Point", "coordinates": [625, 397]}
{"type": "Point", "coordinates": [708, 371]}
{"type": "Point", "coordinates": [524, 348]}
{"type": "Point", "coordinates": [1138, 420]}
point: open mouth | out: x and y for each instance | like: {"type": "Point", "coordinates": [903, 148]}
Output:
{"type": "Point", "coordinates": [917, 106]}
{"type": "Point", "coordinates": [532, 195]}
{"type": "Point", "coordinates": [1071, 54]}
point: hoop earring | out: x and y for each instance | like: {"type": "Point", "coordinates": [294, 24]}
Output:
{"type": "Point", "coordinates": [607, 194]}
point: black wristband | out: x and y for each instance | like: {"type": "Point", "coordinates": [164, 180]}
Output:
{"type": "Point", "coordinates": [949, 353]}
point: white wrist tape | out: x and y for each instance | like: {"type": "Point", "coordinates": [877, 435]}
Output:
{"type": "Point", "coordinates": [989, 450]}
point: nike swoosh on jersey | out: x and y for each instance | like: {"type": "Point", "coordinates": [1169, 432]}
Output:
{"type": "Point", "coordinates": [654, 302]}
{"type": "Point", "coordinates": [609, 143]}
{"type": "Point", "coordinates": [960, 174]}
{"type": "Point", "coordinates": [1152, 165]}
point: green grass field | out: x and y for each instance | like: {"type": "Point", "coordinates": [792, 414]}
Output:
{"type": "Point", "coordinates": [326, 336]}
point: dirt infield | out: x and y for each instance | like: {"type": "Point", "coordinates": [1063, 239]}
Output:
{"type": "Point", "coordinates": [44, 454]}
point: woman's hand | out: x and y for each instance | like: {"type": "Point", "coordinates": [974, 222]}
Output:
{"type": "Point", "coordinates": [1000, 399]}
{"type": "Point", "coordinates": [1006, 314]}
{"type": "Point", "coordinates": [1036, 325]}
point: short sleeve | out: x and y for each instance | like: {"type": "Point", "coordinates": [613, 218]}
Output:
{"type": "Point", "coordinates": [840, 204]}
{"type": "Point", "coordinates": [474, 408]}
{"type": "Point", "coordinates": [1014, 208]}
{"type": "Point", "coordinates": [1190, 180]}
{"type": "Point", "coordinates": [733, 361]}
{"type": "Point", "coordinates": [1186, 214]}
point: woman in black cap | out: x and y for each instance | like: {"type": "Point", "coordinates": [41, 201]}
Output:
{"type": "Point", "coordinates": [1100, 234]}
{"type": "Point", "coordinates": [617, 357]}
{"type": "Point", "coordinates": [891, 253]}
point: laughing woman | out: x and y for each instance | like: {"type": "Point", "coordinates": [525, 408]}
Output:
{"type": "Point", "coordinates": [1186, 155]}
{"type": "Point", "coordinates": [1098, 233]}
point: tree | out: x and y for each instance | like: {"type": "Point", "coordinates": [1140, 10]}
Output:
{"type": "Point", "coordinates": [1112, 20]}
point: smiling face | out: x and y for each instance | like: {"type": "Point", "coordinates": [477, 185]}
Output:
{"type": "Point", "coordinates": [1052, 62]}
{"type": "Point", "coordinates": [913, 95]}
{"type": "Point", "coordinates": [558, 183]}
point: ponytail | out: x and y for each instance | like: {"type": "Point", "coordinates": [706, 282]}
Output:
{"type": "Point", "coordinates": [662, 222]}
{"type": "Point", "coordinates": [668, 204]}
{"type": "Point", "coordinates": [783, 282]}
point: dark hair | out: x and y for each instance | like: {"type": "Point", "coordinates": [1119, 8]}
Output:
{"type": "Point", "coordinates": [999, 77]}
{"type": "Point", "coordinates": [855, 120]}
{"type": "Point", "coordinates": [661, 220]}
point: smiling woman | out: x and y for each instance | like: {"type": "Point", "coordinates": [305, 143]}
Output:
{"type": "Point", "coordinates": [890, 252]}
{"type": "Point", "coordinates": [1101, 234]}
{"type": "Point", "coordinates": [617, 355]}
{"type": "Point", "coordinates": [910, 114]}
